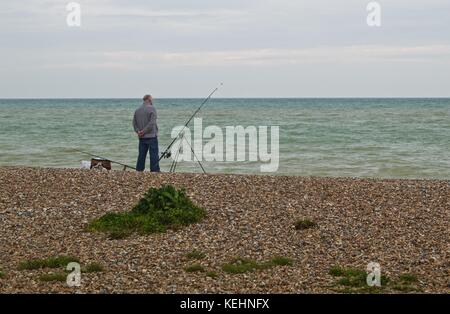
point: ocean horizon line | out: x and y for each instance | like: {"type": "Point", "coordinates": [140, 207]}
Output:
{"type": "Point", "coordinates": [225, 98]}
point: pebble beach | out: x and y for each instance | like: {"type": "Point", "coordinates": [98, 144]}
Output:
{"type": "Point", "coordinates": [404, 225]}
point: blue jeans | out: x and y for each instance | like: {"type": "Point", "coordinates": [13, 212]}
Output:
{"type": "Point", "coordinates": [145, 145]}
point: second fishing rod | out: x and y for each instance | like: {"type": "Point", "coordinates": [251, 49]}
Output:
{"type": "Point", "coordinates": [167, 152]}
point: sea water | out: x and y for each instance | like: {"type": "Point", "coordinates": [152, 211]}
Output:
{"type": "Point", "coordinates": [383, 138]}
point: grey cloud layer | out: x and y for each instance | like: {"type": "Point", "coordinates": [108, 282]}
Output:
{"type": "Point", "coordinates": [205, 40]}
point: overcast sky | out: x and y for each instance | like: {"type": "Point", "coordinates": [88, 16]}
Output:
{"type": "Point", "coordinates": [257, 48]}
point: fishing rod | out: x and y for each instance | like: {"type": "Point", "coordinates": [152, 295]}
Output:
{"type": "Point", "coordinates": [167, 153]}
{"type": "Point", "coordinates": [97, 156]}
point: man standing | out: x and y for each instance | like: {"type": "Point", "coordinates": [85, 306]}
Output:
{"type": "Point", "coordinates": [144, 123]}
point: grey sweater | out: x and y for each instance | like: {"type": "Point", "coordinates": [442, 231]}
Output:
{"type": "Point", "coordinates": [145, 119]}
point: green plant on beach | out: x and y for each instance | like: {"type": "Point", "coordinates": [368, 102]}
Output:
{"type": "Point", "coordinates": [57, 262]}
{"type": "Point", "coordinates": [196, 255]}
{"type": "Point", "coordinates": [212, 274]}
{"type": "Point", "coordinates": [2, 274]}
{"type": "Point", "coordinates": [53, 277]}
{"type": "Point", "coordinates": [281, 261]}
{"type": "Point", "coordinates": [158, 210]}
{"type": "Point", "coordinates": [336, 271]}
{"type": "Point", "coordinates": [353, 280]}
{"type": "Point", "coordinates": [349, 276]}
{"type": "Point", "coordinates": [408, 278]}
{"type": "Point", "coordinates": [93, 268]}
{"type": "Point", "coordinates": [118, 234]}
{"type": "Point", "coordinates": [51, 262]}
{"type": "Point", "coordinates": [303, 224]}
{"type": "Point", "coordinates": [406, 283]}
{"type": "Point", "coordinates": [194, 268]}
{"type": "Point", "coordinates": [241, 265]}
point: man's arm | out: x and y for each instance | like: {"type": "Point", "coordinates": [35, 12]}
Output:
{"type": "Point", "coordinates": [136, 129]}
{"type": "Point", "coordinates": [151, 123]}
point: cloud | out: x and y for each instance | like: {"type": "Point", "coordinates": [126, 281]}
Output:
{"type": "Point", "coordinates": [144, 13]}
{"type": "Point", "coordinates": [321, 56]}
{"type": "Point", "coordinates": [103, 14]}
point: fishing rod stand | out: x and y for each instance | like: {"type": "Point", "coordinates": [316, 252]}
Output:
{"type": "Point", "coordinates": [168, 154]}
